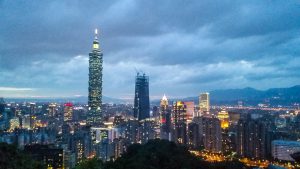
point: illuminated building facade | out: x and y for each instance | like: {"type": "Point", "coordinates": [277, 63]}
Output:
{"type": "Point", "coordinates": [52, 110]}
{"type": "Point", "coordinates": [252, 139]}
{"type": "Point", "coordinates": [224, 118]}
{"type": "Point", "coordinates": [190, 110]}
{"type": "Point", "coordinates": [119, 147]}
{"type": "Point", "coordinates": [31, 114]}
{"type": "Point", "coordinates": [132, 131]}
{"type": "Point", "coordinates": [68, 112]}
{"type": "Point", "coordinates": [94, 115]}
{"type": "Point", "coordinates": [227, 145]}
{"type": "Point", "coordinates": [212, 134]}
{"type": "Point", "coordinates": [180, 122]}
{"type": "Point", "coordinates": [204, 102]}
{"type": "Point", "coordinates": [146, 130]}
{"type": "Point", "coordinates": [26, 122]}
{"type": "Point", "coordinates": [141, 108]}
{"type": "Point", "coordinates": [14, 123]}
{"type": "Point", "coordinates": [194, 135]}
{"type": "Point", "coordinates": [165, 120]}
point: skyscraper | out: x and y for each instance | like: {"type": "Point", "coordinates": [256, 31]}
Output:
{"type": "Point", "coordinates": [165, 122]}
{"type": "Point", "coordinates": [2, 106]}
{"type": "Point", "coordinates": [180, 122]}
{"type": "Point", "coordinates": [141, 99]}
{"type": "Point", "coordinates": [2, 109]}
{"type": "Point", "coordinates": [31, 114]}
{"type": "Point", "coordinates": [204, 102]}
{"type": "Point", "coordinates": [68, 112]}
{"type": "Point", "coordinates": [94, 116]}
{"type": "Point", "coordinates": [224, 118]}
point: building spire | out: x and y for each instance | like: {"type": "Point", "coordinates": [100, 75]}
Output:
{"type": "Point", "coordinates": [96, 42]}
{"type": "Point", "coordinates": [96, 34]}
{"type": "Point", "coordinates": [164, 97]}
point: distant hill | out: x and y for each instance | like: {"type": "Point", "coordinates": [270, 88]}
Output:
{"type": "Point", "coordinates": [248, 95]}
{"type": "Point", "coordinates": [251, 96]}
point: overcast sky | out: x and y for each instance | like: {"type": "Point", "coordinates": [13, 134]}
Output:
{"type": "Point", "coordinates": [186, 47]}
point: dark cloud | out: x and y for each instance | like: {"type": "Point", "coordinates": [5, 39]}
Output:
{"type": "Point", "coordinates": [185, 46]}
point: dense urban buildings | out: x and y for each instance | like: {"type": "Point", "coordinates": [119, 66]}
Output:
{"type": "Point", "coordinates": [94, 116]}
{"type": "Point", "coordinates": [250, 134]}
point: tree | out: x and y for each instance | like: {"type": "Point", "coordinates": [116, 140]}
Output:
{"type": "Point", "coordinates": [13, 158]}
{"type": "Point", "coordinates": [93, 163]}
{"type": "Point", "coordinates": [158, 154]}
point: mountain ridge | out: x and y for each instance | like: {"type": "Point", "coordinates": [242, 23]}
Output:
{"type": "Point", "coordinates": [252, 96]}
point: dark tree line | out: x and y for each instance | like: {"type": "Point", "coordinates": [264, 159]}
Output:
{"type": "Point", "coordinates": [13, 158]}
{"type": "Point", "coordinates": [158, 154]}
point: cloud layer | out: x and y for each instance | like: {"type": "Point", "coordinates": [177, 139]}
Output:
{"type": "Point", "coordinates": [186, 47]}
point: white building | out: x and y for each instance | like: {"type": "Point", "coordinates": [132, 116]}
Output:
{"type": "Point", "coordinates": [204, 102]}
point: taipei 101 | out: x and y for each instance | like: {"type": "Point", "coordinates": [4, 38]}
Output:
{"type": "Point", "coordinates": [139, 84]}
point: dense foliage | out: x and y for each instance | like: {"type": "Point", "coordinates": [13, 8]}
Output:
{"type": "Point", "coordinates": [13, 158]}
{"type": "Point", "coordinates": [93, 163]}
{"type": "Point", "coordinates": [158, 154]}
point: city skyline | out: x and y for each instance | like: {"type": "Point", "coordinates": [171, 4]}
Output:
{"type": "Point", "coordinates": [172, 84]}
{"type": "Point", "coordinates": [44, 53]}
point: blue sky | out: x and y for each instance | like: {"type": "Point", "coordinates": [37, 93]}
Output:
{"type": "Point", "coordinates": [186, 47]}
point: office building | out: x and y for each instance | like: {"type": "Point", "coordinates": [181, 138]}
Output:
{"type": "Point", "coordinates": [180, 122]}
{"type": "Point", "coordinates": [141, 108]}
{"type": "Point", "coordinates": [190, 110]}
{"type": "Point", "coordinates": [26, 122]}
{"type": "Point", "coordinates": [165, 119]}
{"type": "Point", "coordinates": [68, 112]}
{"type": "Point", "coordinates": [224, 118]}
{"type": "Point", "coordinates": [52, 111]}
{"type": "Point", "coordinates": [204, 102]}
{"type": "Point", "coordinates": [14, 123]}
{"type": "Point", "coordinates": [32, 108]}
{"type": "Point", "coordinates": [94, 114]}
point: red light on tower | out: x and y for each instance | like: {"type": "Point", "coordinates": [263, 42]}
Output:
{"type": "Point", "coordinates": [68, 104]}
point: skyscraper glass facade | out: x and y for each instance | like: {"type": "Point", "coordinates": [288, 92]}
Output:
{"type": "Point", "coordinates": [94, 116]}
{"type": "Point", "coordinates": [141, 99]}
